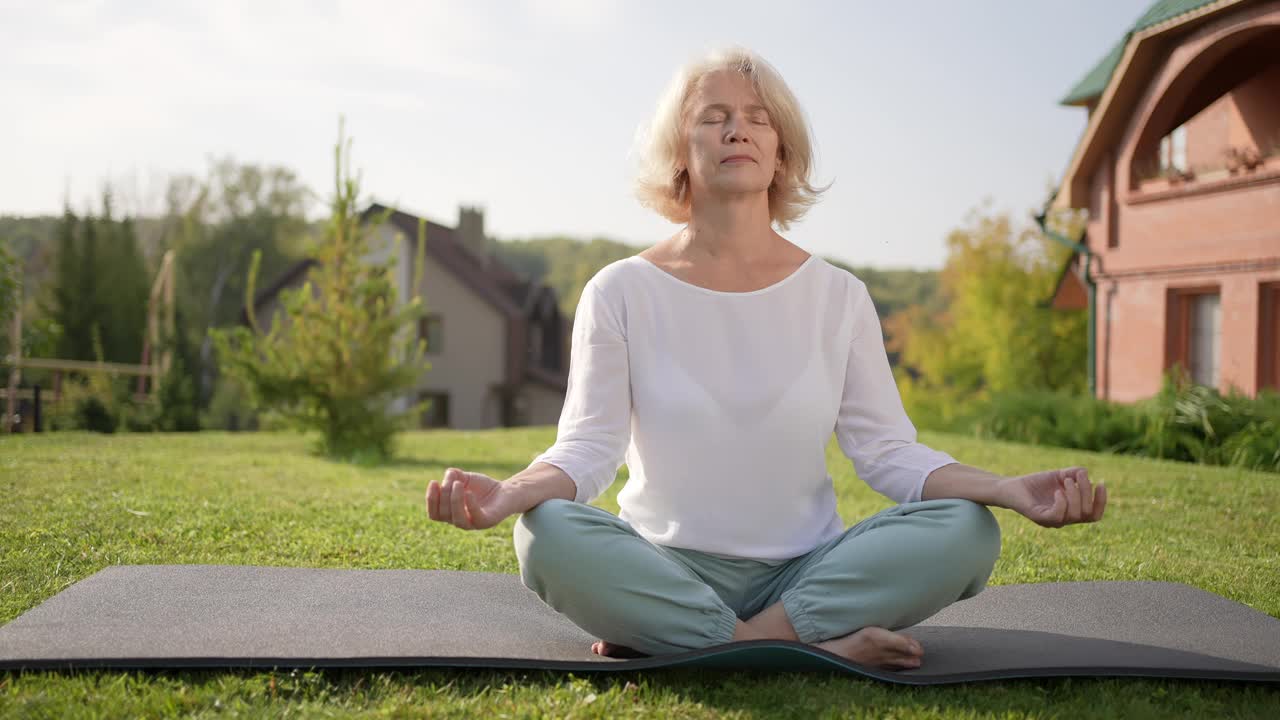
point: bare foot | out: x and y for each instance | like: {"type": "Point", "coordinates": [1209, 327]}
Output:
{"type": "Point", "coordinates": [608, 649]}
{"type": "Point", "coordinates": [877, 647]}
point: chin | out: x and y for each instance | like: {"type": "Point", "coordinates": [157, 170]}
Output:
{"type": "Point", "coordinates": [740, 187]}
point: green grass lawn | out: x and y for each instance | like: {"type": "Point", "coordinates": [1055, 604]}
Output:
{"type": "Point", "coordinates": [72, 504]}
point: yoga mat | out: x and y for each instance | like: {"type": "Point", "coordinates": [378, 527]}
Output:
{"type": "Point", "coordinates": [234, 616]}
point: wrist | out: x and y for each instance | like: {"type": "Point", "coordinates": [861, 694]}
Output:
{"type": "Point", "coordinates": [957, 480]}
{"type": "Point", "coordinates": [1005, 492]}
{"type": "Point", "coordinates": [518, 496]}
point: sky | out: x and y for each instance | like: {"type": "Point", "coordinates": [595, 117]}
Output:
{"type": "Point", "coordinates": [920, 112]}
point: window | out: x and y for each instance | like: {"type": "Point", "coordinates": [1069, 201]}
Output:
{"type": "Point", "coordinates": [1193, 333]}
{"type": "Point", "coordinates": [1205, 328]}
{"type": "Point", "coordinates": [436, 414]}
{"type": "Point", "coordinates": [1269, 336]}
{"type": "Point", "coordinates": [431, 329]}
{"type": "Point", "coordinates": [1173, 150]}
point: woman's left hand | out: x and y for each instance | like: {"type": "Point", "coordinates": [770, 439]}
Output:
{"type": "Point", "coordinates": [1054, 498]}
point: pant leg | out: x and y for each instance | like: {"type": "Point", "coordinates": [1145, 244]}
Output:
{"type": "Point", "coordinates": [594, 568]}
{"type": "Point", "coordinates": [892, 570]}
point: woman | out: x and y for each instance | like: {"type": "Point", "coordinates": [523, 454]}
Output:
{"type": "Point", "coordinates": [716, 364]}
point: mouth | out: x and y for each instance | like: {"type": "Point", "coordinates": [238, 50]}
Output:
{"type": "Point", "coordinates": [736, 159]}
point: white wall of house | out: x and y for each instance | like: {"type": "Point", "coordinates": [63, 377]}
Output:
{"type": "Point", "coordinates": [544, 404]}
{"type": "Point", "coordinates": [473, 358]}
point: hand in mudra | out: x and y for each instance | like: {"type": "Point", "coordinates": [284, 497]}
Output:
{"type": "Point", "coordinates": [1054, 498]}
{"type": "Point", "coordinates": [469, 500]}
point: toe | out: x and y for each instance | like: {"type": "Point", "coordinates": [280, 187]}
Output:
{"type": "Point", "coordinates": [905, 646]}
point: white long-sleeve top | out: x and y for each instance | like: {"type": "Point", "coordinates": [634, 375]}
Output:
{"type": "Point", "coordinates": [721, 404]}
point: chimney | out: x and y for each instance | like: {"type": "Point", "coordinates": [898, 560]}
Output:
{"type": "Point", "coordinates": [471, 233]}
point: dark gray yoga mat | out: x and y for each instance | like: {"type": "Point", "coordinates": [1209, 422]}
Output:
{"type": "Point", "coordinates": [230, 616]}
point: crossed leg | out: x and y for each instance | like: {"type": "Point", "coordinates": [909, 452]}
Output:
{"type": "Point", "coordinates": [847, 596]}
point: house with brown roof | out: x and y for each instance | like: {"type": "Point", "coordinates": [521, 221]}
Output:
{"type": "Point", "coordinates": [1179, 170]}
{"type": "Point", "coordinates": [497, 343]}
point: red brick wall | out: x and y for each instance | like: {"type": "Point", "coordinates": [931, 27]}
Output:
{"type": "Point", "coordinates": [1247, 117]}
{"type": "Point", "coordinates": [1194, 234]}
{"type": "Point", "coordinates": [1132, 332]}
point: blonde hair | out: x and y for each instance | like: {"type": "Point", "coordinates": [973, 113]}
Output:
{"type": "Point", "coordinates": [662, 185]}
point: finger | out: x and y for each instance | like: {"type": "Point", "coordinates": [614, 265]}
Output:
{"type": "Point", "coordinates": [446, 500]}
{"type": "Point", "coordinates": [1059, 512]}
{"type": "Point", "coordinates": [468, 503]}
{"type": "Point", "coordinates": [1086, 494]}
{"type": "Point", "coordinates": [459, 514]}
{"type": "Point", "coordinates": [433, 500]}
{"type": "Point", "coordinates": [1100, 503]}
{"type": "Point", "coordinates": [1072, 490]}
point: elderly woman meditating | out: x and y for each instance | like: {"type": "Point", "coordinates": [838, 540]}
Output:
{"type": "Point", "coordinates": [716, 364]}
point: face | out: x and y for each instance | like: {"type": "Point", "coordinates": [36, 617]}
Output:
{"type": "Point", "coordinates": [726, 119]}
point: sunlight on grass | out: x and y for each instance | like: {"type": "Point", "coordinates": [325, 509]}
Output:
{"type": "Point", "coordinates": [72, 504]}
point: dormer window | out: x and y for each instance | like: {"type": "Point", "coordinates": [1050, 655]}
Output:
{"type": "Point", "coordinates": [1173, 150]}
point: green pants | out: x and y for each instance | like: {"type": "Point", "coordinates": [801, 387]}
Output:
{"type": "Point", "coordinates": [891, 570]}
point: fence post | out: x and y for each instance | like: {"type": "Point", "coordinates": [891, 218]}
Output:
{"type": "Point", "coordinates": [35, 410]}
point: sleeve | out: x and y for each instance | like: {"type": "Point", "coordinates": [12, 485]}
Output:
{"type": "Point", "coordinates": [595, 422]}
{"type": "Point", "coordinates": [872, 427]}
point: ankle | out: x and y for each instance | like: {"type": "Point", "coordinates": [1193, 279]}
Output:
{"type": "Point", "coordinates": [745, 631]}
{"type": "Point", "coordinates": [773, 623]}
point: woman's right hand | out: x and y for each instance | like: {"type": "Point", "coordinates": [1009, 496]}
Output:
{"type": "Point", "coordinates": [469, 500]}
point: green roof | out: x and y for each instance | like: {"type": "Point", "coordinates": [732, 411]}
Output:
{"type": "Point", "coordinates": [1095, 81]}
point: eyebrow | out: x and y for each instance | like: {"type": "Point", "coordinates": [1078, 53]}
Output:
{"type": "Point", "coordinates": [722, 106]}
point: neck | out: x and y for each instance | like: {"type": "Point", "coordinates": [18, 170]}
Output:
{"type": "Point", "coordinates": [734, 228]}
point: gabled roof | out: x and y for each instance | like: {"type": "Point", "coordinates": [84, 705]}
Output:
{"type": "Point", "coordinates": [1094, 83]}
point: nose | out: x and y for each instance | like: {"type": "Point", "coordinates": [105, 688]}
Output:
{"type": "Point", "coordinates": [734, 129]}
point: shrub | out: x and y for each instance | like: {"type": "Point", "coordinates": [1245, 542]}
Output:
{"type": "Point", "coordinates": [229, 407]}
{"type": "Point", "coordinates": [1183, 421]}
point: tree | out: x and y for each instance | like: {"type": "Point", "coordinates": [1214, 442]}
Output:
{"type": "Point", "coordinates": [344, 349]}
{"type": "Point", "coordinates": [215, 224]}
{"type": "Point", "coordinates": [8, 286]}
{"type": "Point", "coordinates": [123, 285]}
{"type": "Point", "coordinates": [100, 280]}
{"type": "Point", "coordinates": [993, 337]}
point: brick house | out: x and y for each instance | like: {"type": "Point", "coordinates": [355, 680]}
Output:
{"type": "Point", "coordinates": [497, 343]}
{"type": "Point", "coordinates": [1179, 170]}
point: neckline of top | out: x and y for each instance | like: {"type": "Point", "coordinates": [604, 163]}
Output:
{"type": "Point", "coordinates": [709, 291]}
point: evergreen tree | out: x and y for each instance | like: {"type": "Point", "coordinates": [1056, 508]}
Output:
{"type": "Point", "coordinates": [100, 281]}
{"type": "Point", "coordinates": [65, 306]}
{"type": "Point", "coordinates": [8, 286]}
{"type": "Point", "coordinates": [125, 292]}
{"type": "Point", "coordinates": [343, 348]}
